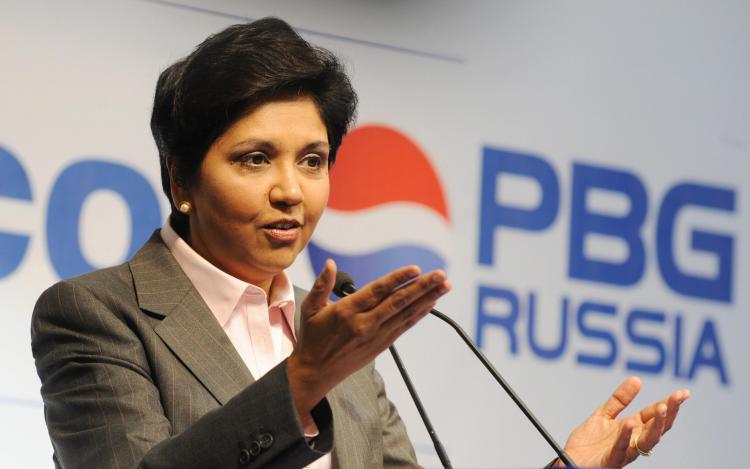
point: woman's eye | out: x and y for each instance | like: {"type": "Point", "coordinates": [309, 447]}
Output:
{"type": "Point", "coordinates": [313, 161]}
{"type": "Point", "coordinates": [253, 159]}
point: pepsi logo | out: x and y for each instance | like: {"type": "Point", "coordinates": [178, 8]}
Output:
{"type": "Point", "coordinates": [387, 207]}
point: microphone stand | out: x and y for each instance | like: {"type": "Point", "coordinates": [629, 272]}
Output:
{"type": "Point", "coordinates": [504, 384]}
{"type": "Point", "coordinates": [345, 286]}
{"type": "Point", "coordinates": [420, 408]}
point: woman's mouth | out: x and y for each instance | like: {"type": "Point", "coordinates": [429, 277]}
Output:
{"type": "Point", "coordinates": [283, 230]}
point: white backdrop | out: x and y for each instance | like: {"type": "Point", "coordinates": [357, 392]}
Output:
{"type": "Point", "coordinates": [516, 101]}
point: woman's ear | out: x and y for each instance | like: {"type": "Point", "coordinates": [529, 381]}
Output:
{"type": "Point", "coordinates": [179, 193]}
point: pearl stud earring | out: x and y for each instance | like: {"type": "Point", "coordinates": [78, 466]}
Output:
{"type": "Point", "coordinates": [185, 207]}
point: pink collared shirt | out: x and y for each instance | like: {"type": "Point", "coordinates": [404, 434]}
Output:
{"type": "Point", "coordinates": [261, 330]}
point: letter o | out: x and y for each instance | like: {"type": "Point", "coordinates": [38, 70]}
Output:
{"type": "Point", "coordinates": [73, 186]}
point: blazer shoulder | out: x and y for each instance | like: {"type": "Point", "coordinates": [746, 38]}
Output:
{"type": "Point", "coordinates": [110, 279]}
{"type": "Point", "coordinates": [110, 286]}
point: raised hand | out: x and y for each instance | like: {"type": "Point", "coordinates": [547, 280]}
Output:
{"type": "Point", "coordinates": [604, 441]}
{"type": "Point", "coordinates": [337, 339]}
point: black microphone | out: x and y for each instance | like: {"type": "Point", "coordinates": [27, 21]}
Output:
{"type": "Point", "coordinates": [345, 286]}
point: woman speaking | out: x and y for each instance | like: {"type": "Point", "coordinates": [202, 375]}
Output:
{"type": "Point", "coordinates": [200, 352]}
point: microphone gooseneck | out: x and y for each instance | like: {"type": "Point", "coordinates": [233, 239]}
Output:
{"type": "Point", "coordinates": [345, 285]}
{"type": "Point", "coordinates": [509, 390]}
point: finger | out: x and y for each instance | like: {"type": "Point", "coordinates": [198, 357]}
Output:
{"type": "Point", "coordinates": [620, 398]}
{"type": "Point", "coordinates": [673, 407]}
{"type": "Point", "coordinates": [619, 453]}
{"type": "Point", "coordinates": [673, 402]}
{"type": "Point", "coordinates": [417, 294]}
{"type": "Point", "coordinates": [321, 290]}
{"type": "Point", "coordinates": [396, 325]}
{"type": "Point", "coordinates": [374, 292]}
{"type": "Point", "coordinates": [676, 398]}
{"type": "Point", "coordinates": [421, 305]}
{"type": "Point", "coordinates": [407, 321]}
{"type": "Point", "coordinates": [653, 429]}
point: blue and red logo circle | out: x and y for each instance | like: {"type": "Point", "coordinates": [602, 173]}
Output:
{"type": "Point", "coordinates": [387, 207]}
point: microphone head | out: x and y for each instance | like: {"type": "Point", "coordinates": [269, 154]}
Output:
{"type": "Point", "coordinates": [344, 285]}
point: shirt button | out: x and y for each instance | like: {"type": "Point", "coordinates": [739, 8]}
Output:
{"type": "Point", "coordinates": [244, 457]}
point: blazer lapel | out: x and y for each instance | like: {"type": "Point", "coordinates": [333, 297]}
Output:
{"type": "Point", "coordinates": [187, 327]}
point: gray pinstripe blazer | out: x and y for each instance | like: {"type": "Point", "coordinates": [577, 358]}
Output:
{"type": "Point", "coordinates": [136, 372]}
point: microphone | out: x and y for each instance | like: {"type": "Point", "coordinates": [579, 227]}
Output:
{"type": "Point", "coordinates": [345, 286]}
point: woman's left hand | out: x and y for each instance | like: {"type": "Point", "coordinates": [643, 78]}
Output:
{"type": "Point", "coordinates": [602, 440]}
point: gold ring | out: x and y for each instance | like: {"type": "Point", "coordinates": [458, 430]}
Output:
{"type": "Point", "coordinates": [640, 451]}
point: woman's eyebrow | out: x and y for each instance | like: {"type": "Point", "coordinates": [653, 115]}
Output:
{"type": "Point", "coordinates": [317, 145]}
{"type": "Point", "coordinates": [254, 142]}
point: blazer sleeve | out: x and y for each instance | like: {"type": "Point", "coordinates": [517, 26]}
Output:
{"type": "Point", "coordinates": [103, 409]}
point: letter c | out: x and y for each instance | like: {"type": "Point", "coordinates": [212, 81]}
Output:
{"type": "Point", "coordinates": [14, 184]}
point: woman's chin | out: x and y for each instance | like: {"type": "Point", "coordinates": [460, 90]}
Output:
{"type": "Point", "coordinates": [277, 262]}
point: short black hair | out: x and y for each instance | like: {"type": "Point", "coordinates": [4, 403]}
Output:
{"type": "Point", "coordinates": [200, 96]}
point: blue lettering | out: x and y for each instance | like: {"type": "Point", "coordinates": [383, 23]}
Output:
{"type": "Point", "coordinates": [627, 228]}
{"type": "Point", "coordinates": [708, 353]}
{"type": "Point", "coordinates": [493, 215]}
{"type": "Point", "coordinates": [586, 309]}
{"type": "Point", "coordinates": [508, 322]}
{"type": "Point", "coordinates": [661, 345]}
{"type": "Point", "coordinates": [718, 288]}
{"type": "Point", "coordinates": [653, 343]}
{"type": "Point", "coordinates": [14, 184]}
{"type": "Point", "coordinates": [71, 189]}
{"type": "Point", "coordinates": [677, 346]}
{"type": "Point", "coordinates": [554, 352]}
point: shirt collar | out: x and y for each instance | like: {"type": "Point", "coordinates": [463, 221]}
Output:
{"type": "Point", "coordinates": [222, 291]}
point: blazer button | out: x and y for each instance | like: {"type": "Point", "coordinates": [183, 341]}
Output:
{"type": "Point", "coordinates": [244, 457]}
{"type": "Point", "coordinates": [265, 440]}
{"type": "Point", "coordinates": [254, 448]}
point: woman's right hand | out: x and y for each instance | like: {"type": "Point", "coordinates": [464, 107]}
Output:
{"type": "Point", "coordinates": [337, 339]}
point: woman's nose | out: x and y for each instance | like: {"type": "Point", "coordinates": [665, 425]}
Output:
{"type": "Point", "coordinates": [286, 189]}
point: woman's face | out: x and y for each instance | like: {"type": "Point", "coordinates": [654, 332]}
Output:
{"type": "Point", "coordinates": [261, 190]}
